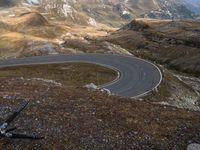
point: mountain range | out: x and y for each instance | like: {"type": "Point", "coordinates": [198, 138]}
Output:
{"type": "Point", "coordinates": [194, 5]}
{"type": "Point", "coordinates": [111, 12]}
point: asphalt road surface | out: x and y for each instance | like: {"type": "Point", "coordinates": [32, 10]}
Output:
{"type": "Point", "coordinates": [136, 78]}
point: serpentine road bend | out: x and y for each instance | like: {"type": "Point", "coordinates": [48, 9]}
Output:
{"type": "Point", "coordinates": [136, 78]}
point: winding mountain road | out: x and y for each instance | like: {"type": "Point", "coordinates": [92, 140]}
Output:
{"type": "Point", "coordinates": [136, 77]}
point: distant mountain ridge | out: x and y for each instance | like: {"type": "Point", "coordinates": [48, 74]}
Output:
{"type": "Point", "coordinates": [113, 12]}
{"type": "Point", "coordinates": [171, 9]}
{"type": "Point", "coordinates": [193, 5]}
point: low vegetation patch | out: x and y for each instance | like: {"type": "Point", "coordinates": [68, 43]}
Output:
{"type": "Point", "coordinates": [77, 119]}
{"type": "Point", "coordinates": [70, 74]}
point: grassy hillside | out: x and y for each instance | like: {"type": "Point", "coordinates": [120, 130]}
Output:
{"type": "Point", "coordinates": [172, 43]}
{"type": "Point", "coordinates": [77, 119]}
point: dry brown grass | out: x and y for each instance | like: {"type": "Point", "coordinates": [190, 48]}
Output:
{"type": "Point", "coordinates": [175, 44]}
{"type": "Point", "coordinates": [69, 74]}
{"type": "Point", "coordinates": [76, 119]}
{"type": "Point", "coordinates": [27, 19]}
{"type": "Point", "coordinates": [28, 34]}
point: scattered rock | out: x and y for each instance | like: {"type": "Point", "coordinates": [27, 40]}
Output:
{"type": "Point", "coordinates": [91, 86]}
{"type": "Point", "coordinates": [116, 48]}
{"type": "Point", "coordinates": [94, 87]}
{"type": "Point", "coordinates": [193, 146]}
{"type": "Point", "coordinates": [43, 80]}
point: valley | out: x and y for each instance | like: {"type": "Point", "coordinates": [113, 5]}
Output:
{"type": "Point", "coordinates": [71, 116]}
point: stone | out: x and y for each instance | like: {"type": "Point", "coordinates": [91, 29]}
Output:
{"type": "Point", "coordinates": [193, 146]}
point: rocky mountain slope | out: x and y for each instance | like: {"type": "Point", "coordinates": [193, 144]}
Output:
{"type": "Point", "coordinates": [170, 9]}
{"type": "Point", "coordinates": [26, 32]}
{"type": "Point", "coordinates": [112, 12]}
{"type": "Point", "coordinates": [193, 5]}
